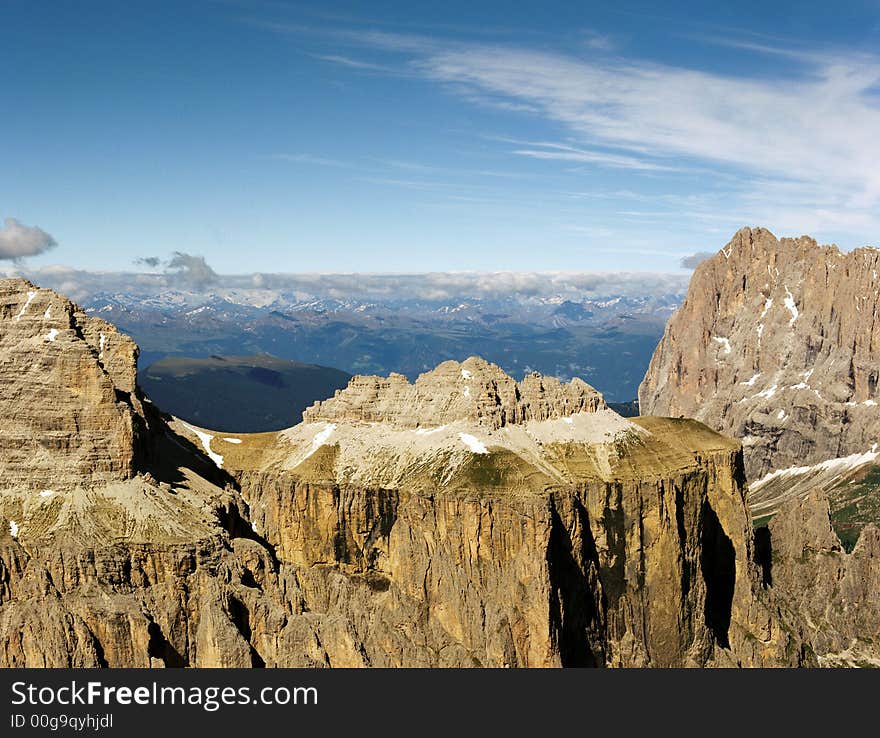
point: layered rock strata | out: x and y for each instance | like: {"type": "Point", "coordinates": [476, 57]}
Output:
{"type": "Point", "coordinates": [70, 409]}
{"type": "Point", "coordinates": [582, 539]}
{"type": "Point", "coordinates": [474, 391]}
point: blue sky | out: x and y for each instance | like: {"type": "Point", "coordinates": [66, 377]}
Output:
{"type": "Point", "coordinates": [410, 137]}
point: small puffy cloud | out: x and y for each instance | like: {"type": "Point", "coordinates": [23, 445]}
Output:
{"type": "Point", "coordinates": [18, 240]}
{"type": "Point", "coordinates": [692, 261]}
{"type": "Point", "coordinates": [150, 261]}
{"type": "Point", "coordinates": [192, 271]}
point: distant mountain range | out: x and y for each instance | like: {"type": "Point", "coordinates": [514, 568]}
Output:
{"type": "Point", "coordinates": [608, 343]}
{"type": "Point", "coordinates": [626, 409]}
{"type": "Point", "coordinates": [244, 394]}
{"type": "Point", "coordinates": [601, 328]}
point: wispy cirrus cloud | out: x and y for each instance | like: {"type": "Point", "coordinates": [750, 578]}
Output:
{"type": "Point", "coordinates": [803, 128]}
{"type": "Point", "coordinates": [599, 41]}
{"type": "Point", "coordinates": [321, 161]}
{"type": "Point", "coordinates": [795, 144]}
{"type": "Point", "coordinates": [561, 152]}
{"type": "Point", "coordinates": [347, 61]}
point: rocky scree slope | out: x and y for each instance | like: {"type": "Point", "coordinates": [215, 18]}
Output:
{"type": "Point", "coordinates": [464, 520]}
{"type": "Point", "coordinates": [834, 592]}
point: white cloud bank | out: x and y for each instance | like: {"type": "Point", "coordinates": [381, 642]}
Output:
{"type": "Point", "coordinates": [438, 286]}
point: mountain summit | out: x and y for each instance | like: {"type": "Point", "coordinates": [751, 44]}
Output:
{"type": "Point", "coordinates": [776, 343]}
{"type": "Point", "coordinates": [69, 402]}
{"type": "Point", "coordinates": [473, 390]}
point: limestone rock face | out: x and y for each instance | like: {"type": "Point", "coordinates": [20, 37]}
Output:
{"type": "Point", "coordinates": [465, 520]}
{"type": "Point", "coordinates": [473, 390]}
{"type": "Point", "coordinates": [778, 344]}
{"type": "Point", "coordinates": [833, 591]}
{"type": "Point", "coordinates": [70, 410]}
{"type": "Point", "coordinates": [581, 540]}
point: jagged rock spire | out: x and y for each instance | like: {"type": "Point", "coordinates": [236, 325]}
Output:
{"type": "Point", "coordinates": [473, 390]}
{"type": "Point", "coordinates": [777, 343]}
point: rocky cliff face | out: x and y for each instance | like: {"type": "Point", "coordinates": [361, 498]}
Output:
{"type": "Point", "coordinates": [549, 539]}
{"type": "Point", "coordinates": [778, 344]}
{"type": "Point", "coordinates": [464, 520]}
{"type": "Point", "coordinates": [70, 409]}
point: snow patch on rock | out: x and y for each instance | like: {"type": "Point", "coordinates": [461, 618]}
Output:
{"type": "Point", "coordinates": [321, 437]}
{"type": "Point", "coordinates": [30, 298]}
{"type": "Point", "coordinates": [839, 465]}
{"type": "Point", "coordinates": [429, 431]}
{"type": "Point", "coordinates": [751, 382]}
{"type": "Point", "coordinates": [792, 307]}
{"type": "Point", "coordinates": [725, 343]}
{"type": "Point", "coordinates": [206, 439]}
{"type": "Point", "coordinates": [473, 443]}
{"type": "Point", "coordinates": [769, 392]}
